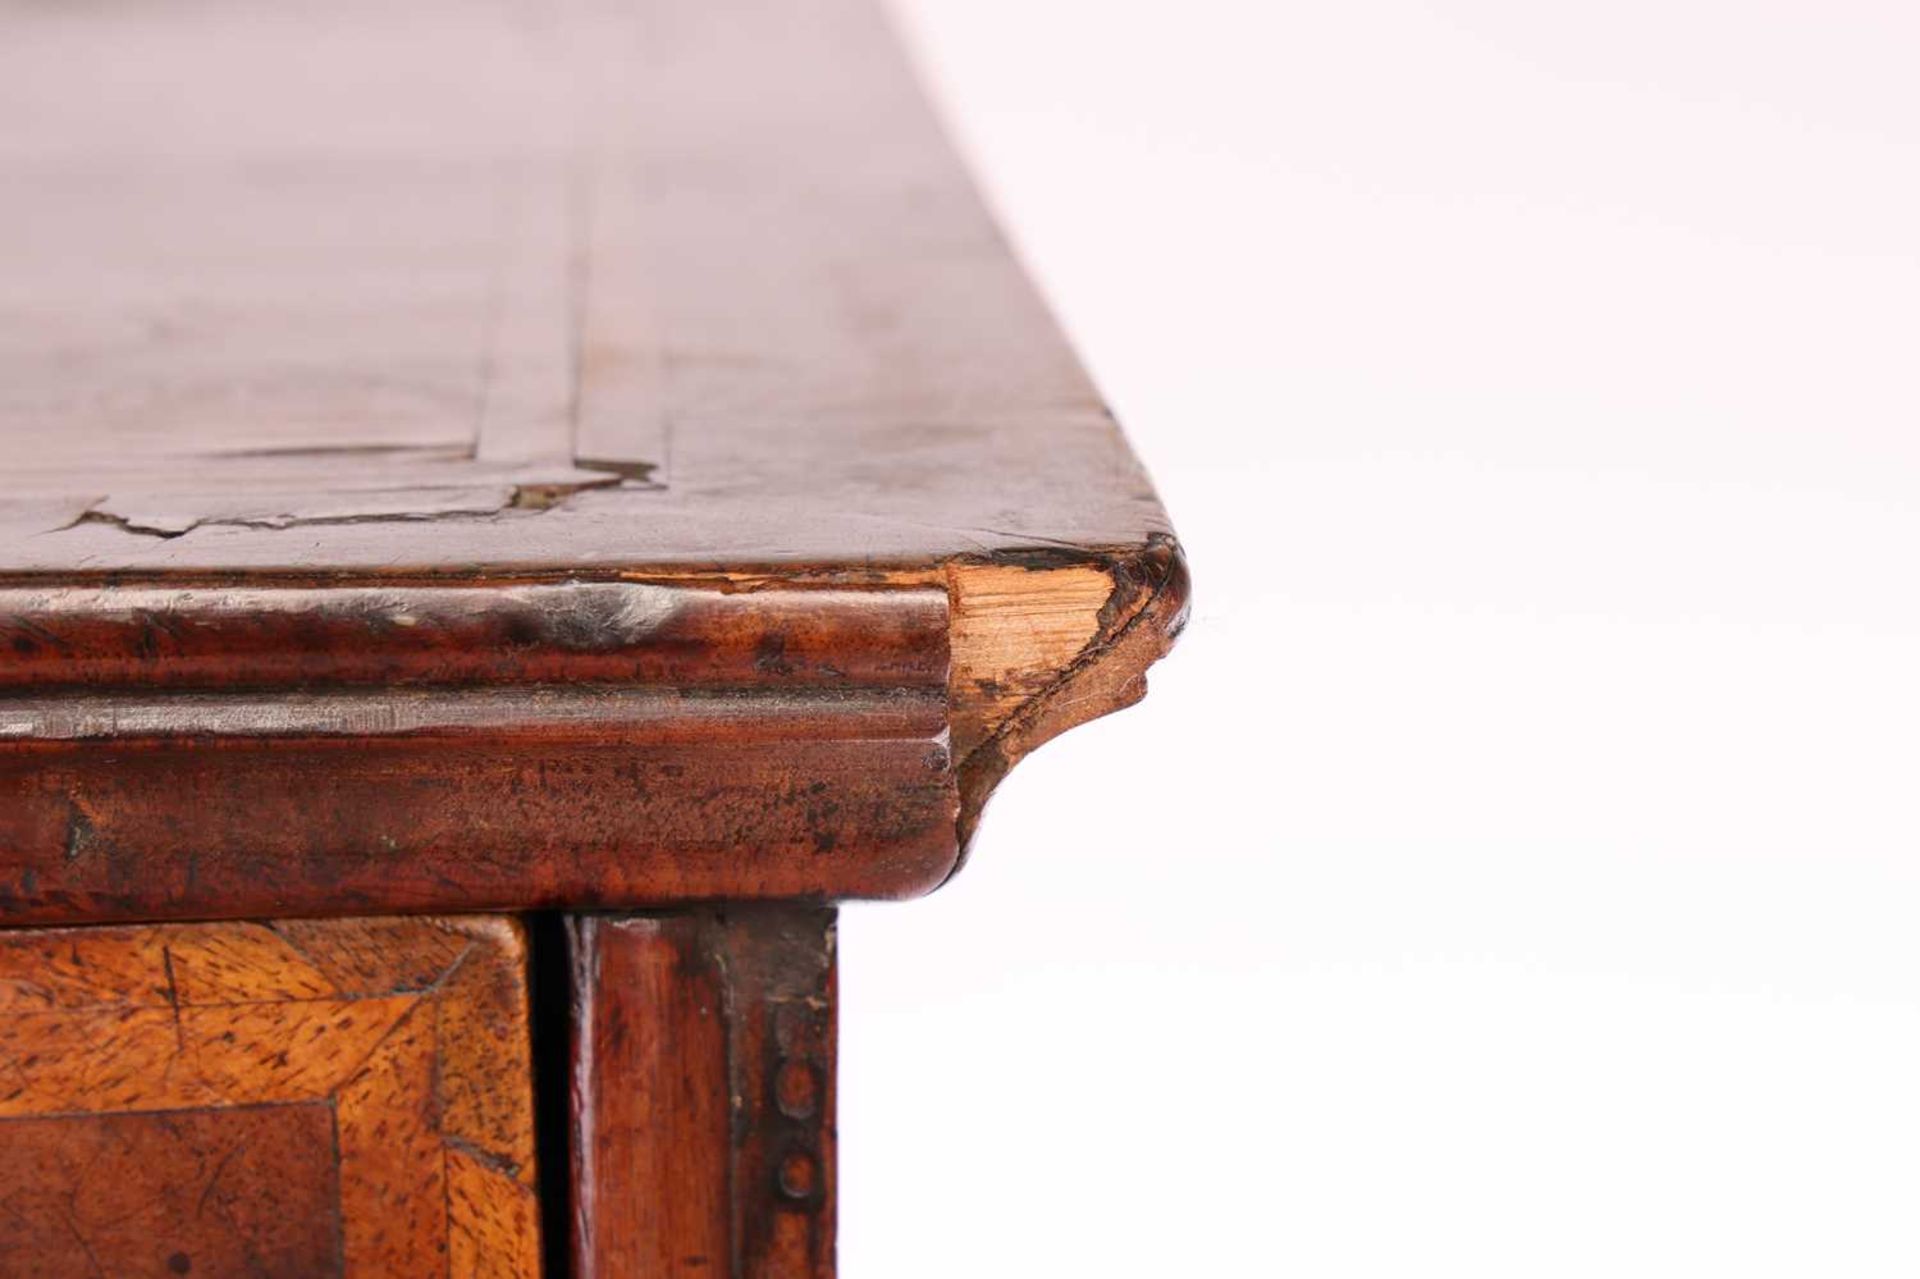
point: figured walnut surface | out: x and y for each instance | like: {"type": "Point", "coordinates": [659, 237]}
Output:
{"type": "Point", "coordinates": [302, 1098]}
{"type": "Point", "coordinates": [579, 372]}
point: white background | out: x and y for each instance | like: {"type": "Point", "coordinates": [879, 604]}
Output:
{"type": "Point", "coordinates": [1514, 872]}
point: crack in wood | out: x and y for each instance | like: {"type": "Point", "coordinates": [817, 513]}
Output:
{"type": "Point", "coordinates": [487, 503]}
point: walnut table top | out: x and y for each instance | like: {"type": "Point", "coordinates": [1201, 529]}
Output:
{"type": "Point", "coordinates": [463, 456]}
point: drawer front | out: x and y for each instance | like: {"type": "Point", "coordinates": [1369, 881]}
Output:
{"type": "Point", "coordinates": [337, 1097]}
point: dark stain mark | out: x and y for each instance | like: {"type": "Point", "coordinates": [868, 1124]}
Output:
{"type": "Point", "coordinates": [80, 833]}
{"type": "Point", "coordinates": [770, 655]}
{"type": "Point", "coordinates": [1039, 559]}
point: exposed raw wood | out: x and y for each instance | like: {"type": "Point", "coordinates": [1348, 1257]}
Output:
{"type": "Point", "coordinates": [348, 1097]}
{"type": "Point", "coordinates": [703, 1094]}
{"type": "Point", "coordinates": [1015, 628]}
{"type": "Point", "coordinates": [1124, 616]}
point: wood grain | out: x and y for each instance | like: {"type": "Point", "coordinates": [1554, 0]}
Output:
{"type": "Point", "coordinates": [469, 458]}
{"type": "Point", "coordinates": [351, 291]}
{"type": "Point", "coordinates": [1024, 702]}
{"type": "Point", "coordinates": [348, 1097]}
{"type": "Point", "coordinates": [240, 753]}
{"type": "Point", "coordinates": [459, 461]}
{"type": "Point", "coordinates": [240, 1190]}
{"type": "Point", "coordinates": [703, 1094]}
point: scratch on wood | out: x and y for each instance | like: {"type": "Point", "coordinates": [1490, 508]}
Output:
{"type": "Point", "coordinates": [200, 1206]}
{"type": "Point", "coordinates": [173, 1001]}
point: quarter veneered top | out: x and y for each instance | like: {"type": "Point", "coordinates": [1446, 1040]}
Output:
{"type": "Point", "coordinates": [469, 454]}
{"type": "Point", "coordinates": [454, 285]}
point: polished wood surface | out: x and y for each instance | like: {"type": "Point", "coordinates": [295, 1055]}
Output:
{"type": "Point", "coordinates": [703, 1094]}
{"type": "Point", "coordinates": [610, 283]}
{"type": "Point", "coordinates": [341, 1097]}
{"type": "Point", "coordinates": [590, 457]}
{"type": "Point", "coordinates": [591, 420]}
{"type": "Point", "coordinates": [338, 750]}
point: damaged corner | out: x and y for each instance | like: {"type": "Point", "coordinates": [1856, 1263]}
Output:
{"type": "Point", "coordinates": [1144, 608]}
